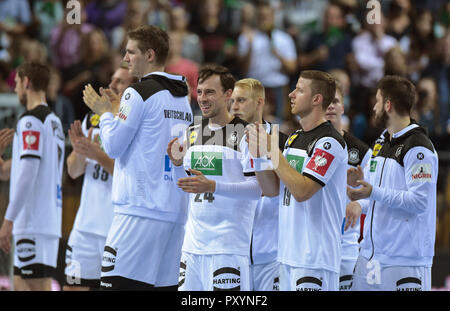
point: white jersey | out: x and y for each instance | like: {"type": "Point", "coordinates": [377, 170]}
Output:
{"type": "Point", "coordinates": [95, 213]}
{"type": "Point", "coordinates": [151, 113]}
{"type": "Point", "coordinates": [358, 154]}
{"type": "Point", "coordinates": [310, 231]}
{"type": "Point", "coordinates": [38, 135]}
{"type": "Point", "coordinates": [218, 224]}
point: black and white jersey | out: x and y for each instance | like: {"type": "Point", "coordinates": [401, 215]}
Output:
{"type": "Point", "coordinates": [400, 225]}
{"type": "Point", "coordinates": [219, 224]}
{"type": "Point", "coordinates": [310, 231]}
{"type": "Point", "coordinates": [39, 136]}
{"type": "Point", "coordinates": [264, 246]}
{"type": "Point", "coordinates": [151, 113]}
{"type": "Point", "coordinates": [95, 213]}
{"type": "Point", "coordinates": [358, 154]}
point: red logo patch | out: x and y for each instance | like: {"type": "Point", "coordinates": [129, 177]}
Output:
{"type": "Point", "coordinates": [30, 140]}
{"type": "Point", "coordinates": [320, 162]}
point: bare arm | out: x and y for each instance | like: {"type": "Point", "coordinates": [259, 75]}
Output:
{"type": "Point", "coordinates": [76, 164]}
{"type": "Point", "coordinates": [5, 169]}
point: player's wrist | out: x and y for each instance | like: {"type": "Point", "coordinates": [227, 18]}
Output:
{"type": "Point", "coordinates": [212, 186]}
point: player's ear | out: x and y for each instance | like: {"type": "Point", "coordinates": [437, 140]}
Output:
{"type": "Point", "coordinates": [151, 55]}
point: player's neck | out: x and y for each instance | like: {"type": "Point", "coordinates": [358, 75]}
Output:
{"type": "Point", "coordinates": [35, 99]}
{"type": "Point", "coordinates": [221, 119]}
{"type": "Point", "coordinates": [398, 123]}
{"type": "Point", "coordinates": [153, 68]}
{"type": "Point", "coordinates": [311, 121]}
{"type": "Point", "coordinates": [338, 126]}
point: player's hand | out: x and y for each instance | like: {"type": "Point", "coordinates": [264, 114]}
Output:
{"type": "Point", "coordinates": [98, 104]}
{"type": "Point", "coordinates": [6, 137]}
{"type": "Point", "coordinates": [359, 193]}
{"type": "Point", "coordinates": [353, 175]}
{"type": "Point", "coordinates": [258, 140]}
{"type": "Point", "coordinates": [113, 98]}
{"type": "Point", "coordinates": [176, 152]}
{"type": "Point", "coordinates": [352, 214]}
{"type": "Point", "coordinates": [5, 235]}
{"type": "Point", "coordinates": [75, 132]}
{"type": "Point", "coordinates": [88, 148]}
{"type": "Point", "coordinates": [197, 184]}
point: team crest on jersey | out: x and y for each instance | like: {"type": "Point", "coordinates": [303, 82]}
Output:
{"type": "Point", "coordinates": [376, 150]}
{"type": "Point", "coordinates": [320, 162]}
{"type": "Point", "coordinates": [232, 140]}
{"type": "Point", "coordinates": [94, 119]}
{"type": "Point", "coordinates": [31, 140]}
{"type": "Point", "coordinates": [353, 156]}
{"type": "Point", "coordinates": [193, 137]}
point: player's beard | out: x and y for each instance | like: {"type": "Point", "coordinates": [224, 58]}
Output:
{"type": "Point", "coordinates": [381, 121]}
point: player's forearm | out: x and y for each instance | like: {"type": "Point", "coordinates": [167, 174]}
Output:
{"type": "Point", "coordinates": [245, 190]}
{"type": "Point", "coordinates": [76, 165]}
{"type": "Point", "coordinates": [269, 182]}
{"type": "Point", "coordinates": [5, 169]}
{"type": "Point", "coordinates": [106, 162]}
{"type": "Point", "coordinates": [26, 178]}
{"type": "Point", "coordinates": [115, 135]}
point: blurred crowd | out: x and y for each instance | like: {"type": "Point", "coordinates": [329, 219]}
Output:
{"type": "Point", "coordinates": [271, 41]}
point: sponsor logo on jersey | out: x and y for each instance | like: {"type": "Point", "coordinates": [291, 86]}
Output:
{"type": "Point", "coordinates": [376, 149]}
{"type": "Point", "coordinates": [326, 146]}
{"type": "Point", "coordinates": [320, 162]}
{"type": "Point", "coordinates": [178, 115]}
{"type": "Point", "coordinates": [193, 137]}
{"type": "Point", "coordinates": [124, 111]}
{"type": "Point", "coordinates": [409, 284]}
{"type": "Point", "coordinates": [276, 284]}
{"type": "Point", "coordinates": [420, 156]}
{"type": "Point", "coordinates": [26, 250]}
{"type": "Point", "coordinates": [353, 156]}
{"type": "Point", "coordinates": [291, 139]}
{"type": "Point", "coordinates": [373, 166]}
{"type": "Point", "coordinates": [227, 278]}
{"type": "Point", "coordinates": [31, 140]}
{"type": "Point", "coordinates": [232, 139]}
{"type": "Point", "coordinates": [421, 172]}
{"type": "Point", "coordinates": [209, 163]}
{"type": "Point", "coordinates": [109, 259]}
{"type": "Point", "coordinates": [167, 168]}
{"type": "Point", "coordinates": [345, 282]}
{"type": "Point", "coordinates": [308, 284]}
{"type": "Point", "coordinates": [296, 162]}
{"type": "Point", "coordinates": [182, 275]}
{"type": "Point", "coordinates": [127, 96]}
{"type": "Point", "coordinates": [94, 119]}
{"type": "Point", "coordinates": [398, 151]}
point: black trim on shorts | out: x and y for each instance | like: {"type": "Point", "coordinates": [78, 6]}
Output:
{"type": "Point", "coordinates": [35, 271]}
{"type": "Point", "coordinates": [93, 284]}
{"type": "Point", "coordinates": [122, 283]}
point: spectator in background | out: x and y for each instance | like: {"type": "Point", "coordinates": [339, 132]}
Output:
{"type": "Point", "coordinates": [65, 41]}
{"type": "Point", "coordinates": [134, 17]}
{"type": "Point", "coordinates": [191, 46]}
{"type": "Point", "coordinates": [426, 110]}
{"type": "Point", "coordinates": [268, 55]}
{"type": "Point", "coordinates": [399, 21]}
{"type": "Point", "coordinates": [344, 82]}
{"type": "Point", "coordinates": [177, 64]}
{"type": "Point", "coordinates": [95, 67]}
{"type": "Point", "coordinates": [15, 16]}
{"type": "Point", "coordinates": [106, 14]}
{"type": "Point", "coordinates": [47, 14]}
{"type": "Point", "coordinates": [329, 48]}
{"type": "Point", "coordinates": [4, 73]}
{"type": "Point", "coordinates": [395, 62]}
{"type": "Point", "coordinates": [158, 13]}
{"type": "Point", "coordinates": [59, 103]}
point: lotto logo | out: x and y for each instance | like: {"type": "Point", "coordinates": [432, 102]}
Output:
{"type": "Point", "coordinates": [30, 140]}
{"type": "Point", "coordinates": [296, 162]}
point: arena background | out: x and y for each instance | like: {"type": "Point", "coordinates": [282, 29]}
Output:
{"type": "Point", "coordinates": [325, 34]}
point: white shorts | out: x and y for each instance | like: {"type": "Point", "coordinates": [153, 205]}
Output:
{"type": "Point", "coordinates": [301, 279]}
{"type": "Point", "coordinates": [84, 259]}
{"type": "Point", "coordinates": [35, 255]}
{"type": "Point", "coordinates": [141, 253]}
{"type": "Point", "coordinates": [346, 274]}
{"type": "Point", "coordinates": [222, 272]}
{"type": "Point", "coordinates": [265, 277]}
{"type": "Point", "coordinates": [371, 276]}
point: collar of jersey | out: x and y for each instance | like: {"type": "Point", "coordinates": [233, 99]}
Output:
{"type": "Point", "coordinates": [165, 74]}
{"type": "Point", "coordinates": [405, 130]}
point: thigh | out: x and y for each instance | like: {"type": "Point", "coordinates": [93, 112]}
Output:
{"type": "Point", "coordinates": [265, 277]}
{"type": "Point", "coordinates": [367, 275]}
{"type": "Point", "coordinates": [35, 256]}
{"type": "Point", "coordinates": [406, 279]}
{"type": "Point", "coordinates": [346, 274]}
{"type": "Point", "coordinates": [84, 259]}
{"type": "Point", "coordinates": [229, 272]}
{"type": "Point", "coordinates": [302, 279]}
{"type": "Point", "coordinates": [133, 252]}
{"type": "Point", "coordinates": [190, 273]}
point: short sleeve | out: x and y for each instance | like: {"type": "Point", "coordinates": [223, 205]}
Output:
{"type": "Point", "coordinates": [31, 135]}
{"type": "Point", "coordinates": [327, 155]}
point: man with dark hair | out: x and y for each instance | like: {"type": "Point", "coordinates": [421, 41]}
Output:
{"type": "Point", "coordinates": [223, 191]}
{"type": "Point", "coordinates": [309, 177]}
{"type": "Point", "coordinates": [397, 192]}
{"type": "Point", "coordinates": [34, 215]}
{"type": "Point", "coordinates": [143, 246]}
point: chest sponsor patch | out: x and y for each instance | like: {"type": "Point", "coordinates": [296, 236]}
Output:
{"type": "Point", "coordinates": [373, 166]}
{"type": "Point", "coordinates": [421, 172]}
{"type": "Point", "coordinates": [31, 140]}
{"type": "Point", "coordinates": [320, 162]}
{"type": "Point", "coordinates": [209, 163]}
{"type": "Point", "coordinates": [376, 149]}
{"type": "Point", "coordinates": [296, 162]}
